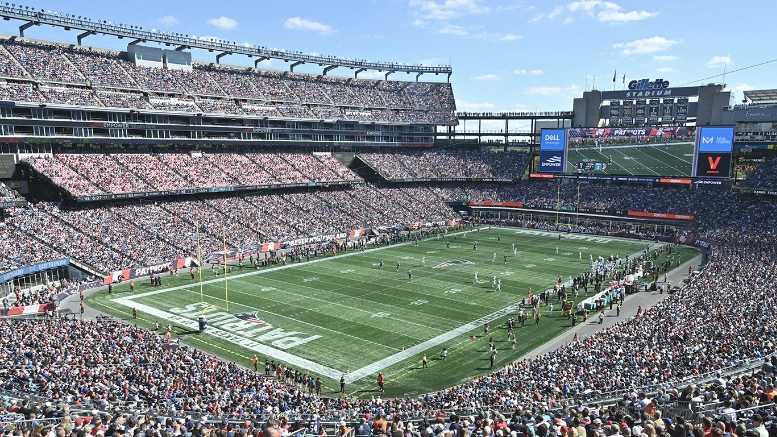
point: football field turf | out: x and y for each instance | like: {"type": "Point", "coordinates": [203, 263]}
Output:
{"type": "Point", "coordinates": [343, 314]}
{"type": "Point", "coordinates": [653, 159]}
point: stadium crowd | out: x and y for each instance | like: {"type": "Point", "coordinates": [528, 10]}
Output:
{"type": "Point", "coordinates": [441, 165]}
{"type": "Point", "coordinates": [117, 82]}
{"type": "Point", "coordinates": [88, 174]}
{"type": "Point", "coordinates": [764, 177]}
{"type": "Point", "coordinates": [693, 333]}
{"type": "Point", "coordinates": [151, 233]}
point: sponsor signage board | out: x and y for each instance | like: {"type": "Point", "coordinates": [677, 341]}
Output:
{"type": "Point", "coordinates": [650, 93]}
{"type": "Point", "coordinates": [755, 114]}
{"type": "Point", "coordinates": [553, 150]}
{"type": "Point", "coordinates": [7, 276]}
{"type": "Point", "coordinates": [714, 147]}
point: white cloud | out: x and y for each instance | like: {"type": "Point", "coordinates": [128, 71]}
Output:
{"type": "Point", "coordinates": [372, 75]}
{"type": "Point", "coordinates": [739, 90]}
{"type": "Point", "coordinates": [543, 90]}
{"type": "Point", "coordinates": [647, 45]}
{"type": "Point", "coordinates": [488, 77]}
{"type": "Point", "coordinates": [556, 11]}
{"type": "Point", "coordinates": [584, 5]}
{"type": "Point", "coordinates": [569, 91]}
{"type": "Point", "coordinates": [524, 71]}
{"type": "Point", "coordinates": [742, 87]}
{"type": "Point", "coordinates": [622, 17]}
{"type": "Point", "coordinates": [664, 58]}
{"type": "Point", "coordinates": [568, 20]}
{"type": "Point", "coordinates": [168, 20]}
{"type": "Point", "coordinates": [551, 15]}
{"type": "Point", "coordinates": [461, 105]}
{"type": "Point", "coordinates": [485, 36]}
{"type": "Point", "coordinates": [452, 29]}
{"type": "Point", "coordinates": [224, 23]}
{"type": "Point", "coordinates": [666, 70]}
{"type": "Point", "coordinates": [608, 12]}
{"type": "Point", "coordinates": [719, 61]}
{"type": "Point", "coordinates": [445, 10]}
{"type": "Point", "coordinates": [298, 23]}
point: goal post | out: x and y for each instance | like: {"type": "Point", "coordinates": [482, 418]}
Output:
{"type": "Point", "coordinates": [212, 292]}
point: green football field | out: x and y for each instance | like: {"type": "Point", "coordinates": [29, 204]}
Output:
{"type": "Point", "coordinates": [345, 315]}
{"type": "Point", "coordinates": [653, 159]}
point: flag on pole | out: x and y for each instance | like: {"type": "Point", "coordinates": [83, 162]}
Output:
{"type": "Point", "coordinates": [624, 78]}
{"type": "Point", "coordinates": [614, 75]}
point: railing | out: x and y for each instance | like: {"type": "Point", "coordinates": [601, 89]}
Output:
{"type": "Point", "coordinates": [516, 114]}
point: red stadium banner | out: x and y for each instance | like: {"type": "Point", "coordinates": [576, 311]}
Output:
{"type": "Point", "coordinates": [356, 233]}
{"type": "Point", "coordinates": [660, 215]}
{"type": "Point", "coordinates": [541, 176]}
{"type": "Point", "coordinates": [28, 310]}
{"type": "Point", "coordinates": [508, 204]}
{"type": "Point", "coordinates": [675, 181]}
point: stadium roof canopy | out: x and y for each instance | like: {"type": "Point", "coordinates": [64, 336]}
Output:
{"type": "Point", "coordinates": [34, 17]}
{"type": "Point", "coordinates": [761, 95]}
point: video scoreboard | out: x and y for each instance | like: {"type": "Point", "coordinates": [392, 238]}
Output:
{"type": "Point", "coordinates": [704, 152]}
{"type": "Point", "coordinates": [712, 158]}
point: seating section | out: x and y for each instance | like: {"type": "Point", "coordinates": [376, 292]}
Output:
{"type": "Point", "coordinates": [764, 176]}
{"type": "Point", "coordinates": [90, 174]}
{"type": "Point", "coordinates": [441, 165]}
{"type": "Point", "coordinates": [75, 75]}
{"type": "Point", "coordinates": [150, 233]}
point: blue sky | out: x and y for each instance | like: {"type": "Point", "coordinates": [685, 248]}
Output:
{"type": "Point", "coordinates": [506, 55]}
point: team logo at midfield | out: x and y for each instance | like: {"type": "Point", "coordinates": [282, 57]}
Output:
{"type": "Point", "coordinates": [250, 317]}
{"type": "Point", "coordinates": [455, 262]}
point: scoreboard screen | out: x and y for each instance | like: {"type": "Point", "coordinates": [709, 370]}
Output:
{"type": "Point", "coordinates": [714, 146]}
{"type": "Point", "coordinates": [659, 152]}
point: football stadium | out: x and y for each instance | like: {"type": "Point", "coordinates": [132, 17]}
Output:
{"type": "Point", "coordinates": [192, 248]}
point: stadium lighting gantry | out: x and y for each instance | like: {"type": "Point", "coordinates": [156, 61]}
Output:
{"type": "Point", "coordinates": [33, 17]}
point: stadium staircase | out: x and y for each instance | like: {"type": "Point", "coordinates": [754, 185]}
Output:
{"type": "Point", "coordinates": [77, 70]}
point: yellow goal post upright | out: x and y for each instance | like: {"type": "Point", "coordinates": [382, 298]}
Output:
{"type": "Point", "coordinates": [207, 305]}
